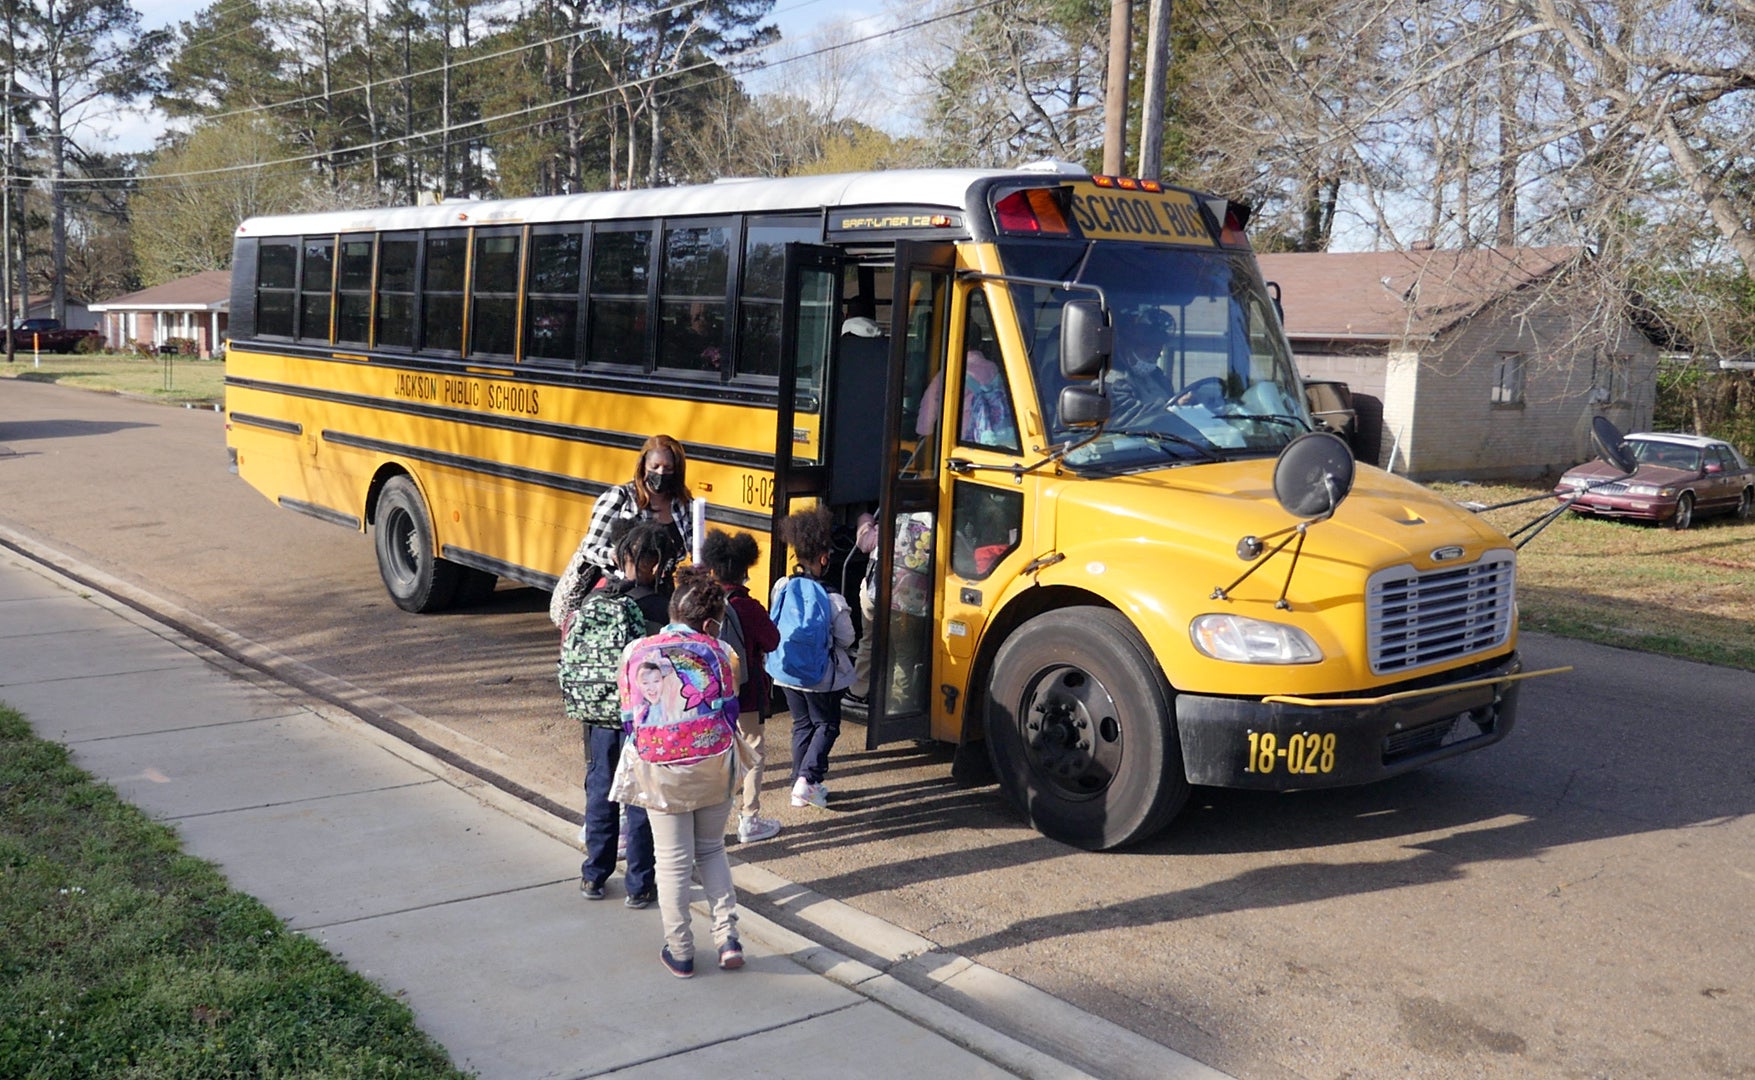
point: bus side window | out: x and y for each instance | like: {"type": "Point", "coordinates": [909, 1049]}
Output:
{"type": "Point", "coordinates": [985, 526]}
{"type": "Point", "coordinates": [923, 369]}
{"type": "Point", "coordinates": [987, 418]}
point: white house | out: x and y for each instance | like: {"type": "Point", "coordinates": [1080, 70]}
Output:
{"type": "Point", "coordinates": [1479, 364]}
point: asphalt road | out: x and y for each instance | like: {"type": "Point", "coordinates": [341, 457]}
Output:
{"type": "Point", "coordinates": [1575, 902]}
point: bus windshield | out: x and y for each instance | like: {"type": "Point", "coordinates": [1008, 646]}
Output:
{"type": "Point", "coordinates": [1200, 370]}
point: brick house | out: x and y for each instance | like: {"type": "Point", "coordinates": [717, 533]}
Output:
{"type": "Point", "coordinates": [194, 308]}
{"type": "Point", "coordinates": [1480, 364]}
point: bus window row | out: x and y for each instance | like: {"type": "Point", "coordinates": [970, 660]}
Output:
{"type": "Point", "coordinates": [695, 296]}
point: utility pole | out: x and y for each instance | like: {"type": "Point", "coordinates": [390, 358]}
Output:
{"type": "Point", "coordinates": [6, 182]}
{"type": "Point", "coordinates": [6, 222]}
{"type": "Point", "coordinates": [1115, 92]}
{"type": "Point", "coordinates": [1151, 165]}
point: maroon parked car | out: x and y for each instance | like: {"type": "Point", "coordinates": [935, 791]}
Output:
{"type": "Point", "coordinates": [1679, 476]}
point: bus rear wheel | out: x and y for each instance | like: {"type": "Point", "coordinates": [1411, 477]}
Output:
{"type": "Point", "coordinates": [1080, 730]}
{"type": "Point", "coordinates": [416, 578]}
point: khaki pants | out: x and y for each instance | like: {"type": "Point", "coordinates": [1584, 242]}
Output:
{"type": "Point", "coordinates": [684, 843]}
{"type": "Point", "coordinates": [749, 800]}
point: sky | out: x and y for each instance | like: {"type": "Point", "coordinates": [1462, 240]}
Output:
{"type": "Point", "coordinates": [799, 21]}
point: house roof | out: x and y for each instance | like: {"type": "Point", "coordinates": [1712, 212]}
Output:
{"type": "Point", "coordinates": [1394, 295]}
{"type": "Point", "coordinates": [209, 290]}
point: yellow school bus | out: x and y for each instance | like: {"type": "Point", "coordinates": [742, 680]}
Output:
{"type": "Point", "coordinates": [1117, 561]}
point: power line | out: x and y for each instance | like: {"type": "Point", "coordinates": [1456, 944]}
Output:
{"type": "Point", "coordinates": [446, 131]}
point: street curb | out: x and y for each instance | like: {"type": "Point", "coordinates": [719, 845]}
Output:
{"type": "Point", "coordinates": [972, 1005]}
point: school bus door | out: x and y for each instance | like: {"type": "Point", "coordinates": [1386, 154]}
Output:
{"type": "Point", "coordinates": [810, 307]}
{"type": "Point", "coordinates": [902, 635]}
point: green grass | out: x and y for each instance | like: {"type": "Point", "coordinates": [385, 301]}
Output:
{"type": "Point", "coordinates": [1689, 594]}
{"type": "Point", "coordinates": [186, 380]}
{"type": "Point", "coordinates": [122, 957]}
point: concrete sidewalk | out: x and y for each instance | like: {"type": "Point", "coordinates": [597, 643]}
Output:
{"type": "Point", "coordinates": [465, 902]}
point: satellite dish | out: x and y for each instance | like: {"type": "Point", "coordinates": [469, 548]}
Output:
{"type": "Point", "coordinates": [1610, 446]}
{"type": "Point", "coordinates": [1313, 474]}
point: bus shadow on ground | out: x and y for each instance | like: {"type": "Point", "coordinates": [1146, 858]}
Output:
{"type": "Point", "coordinates": [26, 430]}
{"type": "Point", "coordinates": [1565, 777]}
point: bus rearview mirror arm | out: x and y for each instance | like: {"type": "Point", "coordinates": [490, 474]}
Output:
{"type": "Point", "coordinates": [1611, 450]}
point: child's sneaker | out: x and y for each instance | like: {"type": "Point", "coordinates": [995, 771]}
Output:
{"type": "Point", "coordinates": [730, 955]}
{"type": "Point", "coordinates": [751, 828]}
{"type": "Point", "coordinates": [805, 793]}
{"type": "Point", "coordinates": [682, 969]}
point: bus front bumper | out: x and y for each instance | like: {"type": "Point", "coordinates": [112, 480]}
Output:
{"type": "Point", "coordinates": [1285, 743]}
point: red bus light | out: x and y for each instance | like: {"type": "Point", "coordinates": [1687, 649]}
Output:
{"type": "Point", "coordinates": [1033, 210]}
{"type": "Point", "coordinates": [1232, 235]}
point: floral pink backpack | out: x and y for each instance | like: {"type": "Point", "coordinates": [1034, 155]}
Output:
{"type": "Point", "coordinates": [678, 696]}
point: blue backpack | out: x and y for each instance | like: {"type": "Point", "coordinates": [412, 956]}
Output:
{"type": "Point", "coordinates": [806, 621]}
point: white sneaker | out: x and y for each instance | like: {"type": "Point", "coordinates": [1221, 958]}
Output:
{"type": "Point", "coordinates": [751, 828]}
{"type": "Point", "coordinates": [805, 793]}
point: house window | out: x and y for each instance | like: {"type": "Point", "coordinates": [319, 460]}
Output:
{"type": "Point", "coordinates": [1508, 380]}
{"type": "Point", "coordinates": [1611, 378]}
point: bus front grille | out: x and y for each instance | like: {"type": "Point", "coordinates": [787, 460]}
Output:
{"type": "Point", "coordinates": [1418, 618]}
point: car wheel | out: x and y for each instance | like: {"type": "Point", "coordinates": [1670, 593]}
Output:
{"type": "Point", "coordinates": [1746, 504]}
{"type": "Point", "coordinates": [1684, 511]}
{"type": "Point", "coordinates": [416, 578]}
{"type": "Point", "coordinates": [1081, 730]}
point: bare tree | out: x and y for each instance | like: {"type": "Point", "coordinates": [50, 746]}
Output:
{"type": "Point", "coordinates": [1011, 82]}
{"type": "Point", "coordinates": [78, 61]}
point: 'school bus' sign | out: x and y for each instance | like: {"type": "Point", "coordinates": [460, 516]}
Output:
{"type": "Point", "coordinates": [1106, 213]}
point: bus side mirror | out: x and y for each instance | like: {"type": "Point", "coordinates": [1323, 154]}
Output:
{"type": "Point", "coordinates": [1085, 339]}
{"type": "Point", "coordinates": [1082, 407]}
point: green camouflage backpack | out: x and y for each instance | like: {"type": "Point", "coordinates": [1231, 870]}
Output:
{"type": "Point", "coordinates": [591, 657]}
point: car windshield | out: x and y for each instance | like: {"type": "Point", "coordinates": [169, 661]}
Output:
{"type": "Point", "coordinates": [1200, 370]}
{"type": "Point", "coordinates": [1668, 454]}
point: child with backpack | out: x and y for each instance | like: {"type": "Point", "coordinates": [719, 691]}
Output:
{"type": "Point", "coordinates": [620, 610]}
{"type": "Point", "coordinates": [678, 692]}
{"type": "Point", "coordinates": [812, 664]}
{"type": "Point", "coordinates": [752, 636]}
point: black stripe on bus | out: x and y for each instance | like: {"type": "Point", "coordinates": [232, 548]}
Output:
{"type": "Point", "coordinates": [500, 567]}
{"type": "Point", "coordinates": [717, 455]}
{"type": "Point", "coordinates": [285, 427]}
{"type": "Point", "coordinates": [321, 513]}
{"type": "Point", "coordinates": [661, 383]}
{"type": "Point", "coordinates": [747, 519]}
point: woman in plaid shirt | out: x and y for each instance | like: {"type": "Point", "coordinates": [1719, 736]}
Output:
{"type": "Point", "coordinates": [658, 492]}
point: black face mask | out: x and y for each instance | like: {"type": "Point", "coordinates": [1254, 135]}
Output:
{"type": "Point", "coordinates": [660, 483]}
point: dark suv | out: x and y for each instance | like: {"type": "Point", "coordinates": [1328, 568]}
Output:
{"type": "Point", "coordinates": [1331, 406]}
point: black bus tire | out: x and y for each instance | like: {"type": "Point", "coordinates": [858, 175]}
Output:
{"type": "Point", "coordinates": [1081, 730]}
{"type": "Point", "coordinates": [416, 578]}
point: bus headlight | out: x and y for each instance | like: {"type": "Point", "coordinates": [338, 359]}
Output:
{"type": "Point", "coordinates": [1243, 640]}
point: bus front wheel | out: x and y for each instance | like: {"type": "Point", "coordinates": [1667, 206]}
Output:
{"type": "Point", "coordinates": [1080, 730]}
{"type": "Point", "coordinates": [416, 578]}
